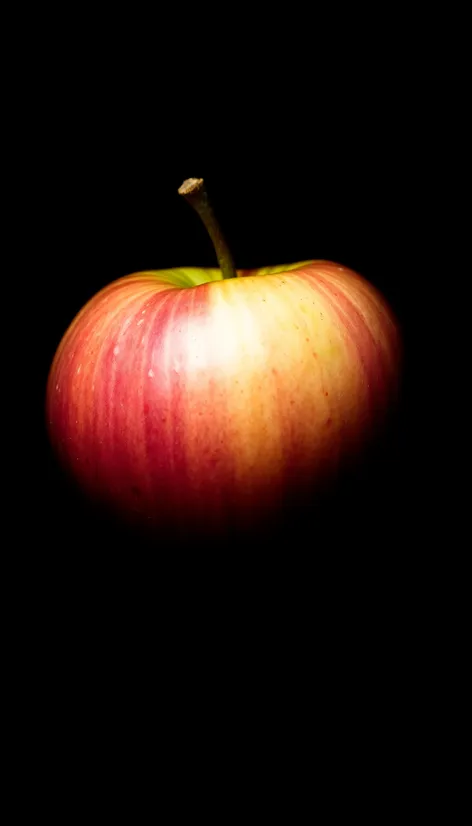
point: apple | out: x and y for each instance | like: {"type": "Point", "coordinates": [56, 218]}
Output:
{"type": "Point", "coordinates": [199, 401]}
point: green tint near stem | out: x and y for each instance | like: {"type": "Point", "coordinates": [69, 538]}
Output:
{"type": "Point", "coordinates": [281, 268]}
{"type": "Point", "coordinates": [194, 276]}
{"type": "Point", "coordinates": [187, 276]}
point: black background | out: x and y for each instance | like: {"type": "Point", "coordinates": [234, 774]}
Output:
{"type": "Point", "coordinates": [338, 188]}
{"type": "Point", "coordinates": [314, 154]}
{"type": "Point", "coordinates": [304, 156]}
{"type": "Point", "coordinates": [290, 179]}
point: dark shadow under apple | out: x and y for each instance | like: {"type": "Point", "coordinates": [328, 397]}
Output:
{"type": "Point", "coordinates": [361, 509]}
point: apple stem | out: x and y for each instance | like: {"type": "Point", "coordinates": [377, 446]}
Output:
{"type": "Point", "coordinates": [193, 190]}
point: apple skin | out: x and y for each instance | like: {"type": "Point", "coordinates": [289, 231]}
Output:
{"type": "Point", "coordinates": [196, 405]}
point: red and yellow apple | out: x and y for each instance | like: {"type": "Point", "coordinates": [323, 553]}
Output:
{"type": "Point", "coordinates": [191, 402]}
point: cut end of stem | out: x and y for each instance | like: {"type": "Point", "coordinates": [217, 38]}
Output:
{"type": "Point", "coordinates": [190, 186]}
